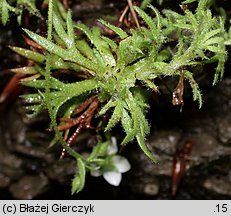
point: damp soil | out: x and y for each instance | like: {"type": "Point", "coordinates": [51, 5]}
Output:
{"type": "Point", "coordinates": [31, 170]}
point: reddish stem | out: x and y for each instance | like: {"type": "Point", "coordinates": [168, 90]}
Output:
{"type": "Point", "coordinates": [82, 122]}
{"type": "Point", "coordinates": [12, 88]}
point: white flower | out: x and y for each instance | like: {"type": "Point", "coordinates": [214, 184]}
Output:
{"type": "Point", "coordinates": [120, 164]}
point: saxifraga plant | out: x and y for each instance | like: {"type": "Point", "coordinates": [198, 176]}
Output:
{"type": "Point", "coordinates": [116, 76]}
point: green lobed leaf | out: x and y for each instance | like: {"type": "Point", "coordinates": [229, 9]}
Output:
{"type": "Point", "coordinates": [33, 98]}
{"type": "Point", "coordinates": [35, 56]}
{"type": "Point", "coordinates": [116, 115]}
{"type": "Point", "coordinates": [149, 21]}
{"type": "Point", "coordinates": [30, 5]}
{"type": "Point", "coordinates": [25, 70]}
{"type": "Point", "coordinates": [110, 42]}
{"type": "Point", "coordinates": [122, 34]}
{"type": "Point", "coordinates": [212, 33]}
{"type": "Point", "coordinates": [215, 40]}
{"type": "Point", "coordinates": [100, 45]}
{"type": "Point", "coordinates": [35, 110]}
{"type": "Point", "coordinates": [157, 13]}
{"type": "Point", "coordinates": [69, 91]}
{"type": "Point", "coordinates": [63, 53]}
{"type": "Point", "coordinates": [79, 181]}
{"type": "Point", "coordinates": [4, 12]}
{"type": "Point", "coordinates": [70, 31]}
{"type": "Point", "coordinates": [183, 26]}
{"type": "Point", "coordinates": [106, 107]}
{"type": "Point", "coordinates": [141, 142]}
{"type": "Point", "coordinates": [40, 84]}
{"type": "Point", "coordinates": [127, 123]}
{"type": "Point", "coordinates": [98, 151]}
{"type": "Point", "coordinates": [59, 28]}
{"type": "Point", "coordinates": [196, 91]}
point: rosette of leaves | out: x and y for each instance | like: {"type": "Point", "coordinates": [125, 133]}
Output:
{"type": "Point", "coordinates": [123, 73]}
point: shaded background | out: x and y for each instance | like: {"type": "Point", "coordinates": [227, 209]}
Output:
{"type": "Point", "coordinates": [31, 170]}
